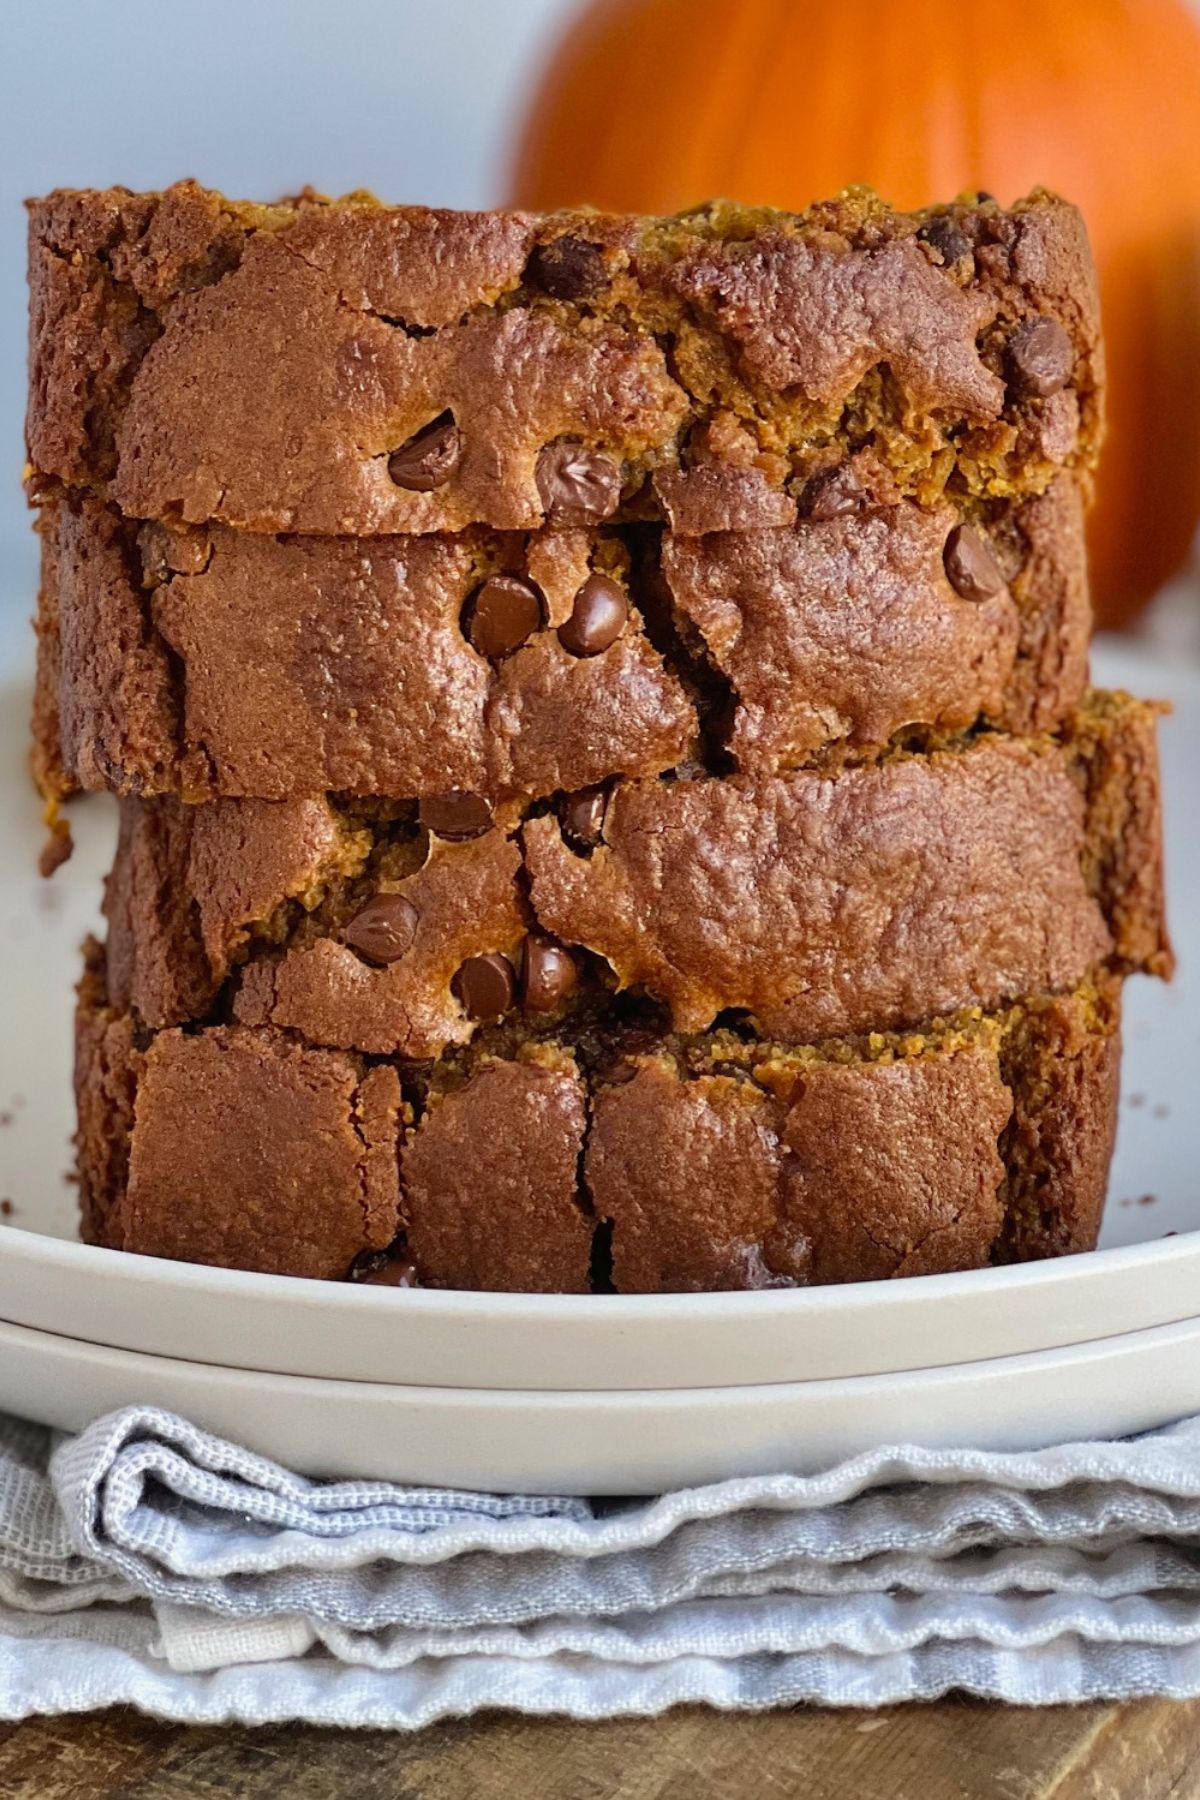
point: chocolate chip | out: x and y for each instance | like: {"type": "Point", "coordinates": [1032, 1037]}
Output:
{"type": "Point", "coordinates": [568, 269]}
{"type": "Point", "coordinates": [1040, 358]}
{"type": "Point", "coordinates": [485, 987]}
{"type": "Point", "coordinates": [640, 1040]}
{"type": "Point", "coordinates": [947, 237]}
{"type": "Point", "coordinates": [970, 566]}
{"type": "Point", "coordinates": [620, 1074]}
{"type": "Point", "coordinates": [597, 617]}
{"type": "Point", "coordinates": [501, 615]}
{"type": "Point", "coordinates": [383, 1268]}
{"type": "Point", "coordinates": [455, 815]}
{"type": "Point", "coordinates": [384, 930]}
{"type": "Point", "coordinates": [548, 974]}
{"type": "Point", "coordinates": [833, 494]}
{"type": "Point", "coordinates": [578, 486]}
{"type": "Point", "coordinates": [166, 552]}
{"type": "Point", "coordinates": [583, 815]}
{"type": "Point", "coordinates": [429, 459]}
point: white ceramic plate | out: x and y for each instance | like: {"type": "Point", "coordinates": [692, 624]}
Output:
{"type": "Point", "coordinates": [618, 1442]}
{"type": "Point", "coordinates": [1141, 1279]}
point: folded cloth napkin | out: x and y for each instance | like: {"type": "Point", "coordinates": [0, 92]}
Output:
{"type": "Point", "coordinates": [147, 1562]}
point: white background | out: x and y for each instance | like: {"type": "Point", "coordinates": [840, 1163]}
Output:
{"type": "Point", "coordinates": [415, 99]}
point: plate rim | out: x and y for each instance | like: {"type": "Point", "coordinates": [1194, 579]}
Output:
{"type": "Point", "coordinates": [1176, 1331]}
{"type": "Point", "coordinates": [1079, 1269]}
{"type": "Point", "coordinates": [617, 1442]}
{"type": "Point", "coordinates": [285, 1324]}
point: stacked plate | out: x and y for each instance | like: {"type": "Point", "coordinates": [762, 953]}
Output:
{"type": "Point", "coordinates": [596, 1394]}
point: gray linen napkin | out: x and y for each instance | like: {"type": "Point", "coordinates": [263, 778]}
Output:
{"type": "Point", "coordinates": [150, 1563]}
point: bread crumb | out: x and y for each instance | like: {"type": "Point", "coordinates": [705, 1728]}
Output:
{"type": "Point", "coordinates": [56, 850]}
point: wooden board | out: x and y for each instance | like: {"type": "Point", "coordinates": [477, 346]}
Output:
{"type": "Point", "coordinates": [955, 1750]}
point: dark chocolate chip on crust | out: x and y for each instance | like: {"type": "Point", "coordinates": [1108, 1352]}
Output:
{"type": "Point", "coordinates": [569, 268]}
{"type": "Point", "coordinates": [1040, 358]}
{"type": "Point", "coordinates": [583, 815]}
{"type": "Point", "coordinates": [429, 459]}
{"type": "Point", "coordinates": [971, 569]}
{"type": "Point", "coordinates": [597, 617]}
{"type": "Point", "coordinates": [501, 615]}
{"type": "Point", "coordinates": [577, 485]}
{"type": "Point", "coordinates": [947, 237]}
{"type": "Point", "coordinates": [384, 930]}
{"type": "Point", "coordinates": [834, 493]}
{"type": "Point", "coordinates": [485, 986]}
{"type": "Point", "coordinates": [455, 815]}
{"type": "Point", "coordinates": [548, 974]}
{"type": "Point", "coordinates": [166, 552]}
{"type": "Point", "coordinates": [383, 1268]}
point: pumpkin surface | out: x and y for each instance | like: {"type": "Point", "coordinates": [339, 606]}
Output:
{"type": "Point", "coordinates": [653, 105]}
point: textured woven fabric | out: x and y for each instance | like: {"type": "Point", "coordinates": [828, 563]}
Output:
{"type": "Point", "coordinates": [147, 1562]}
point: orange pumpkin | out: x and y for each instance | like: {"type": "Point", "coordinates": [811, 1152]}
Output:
{"type": "Point", "coordinates": [651, 105]}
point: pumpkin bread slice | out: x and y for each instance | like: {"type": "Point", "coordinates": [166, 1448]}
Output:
{"type": "Point", "coordinates": [611, 1162]}
{"type": "Point", "coordinates": [216, 663]}
{"type": "Point", "coordinates": [344, 367]}
{"type": "Point", "coordinates": [869, 895]}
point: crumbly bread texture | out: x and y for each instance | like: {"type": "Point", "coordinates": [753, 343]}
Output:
{"type": "Point", "coordinates": [217, 663]}
{"type": "Point", "coordinates": [869, 895]}
{"type": "Point", "coordinates": [349, 368]}
{"type": "Point", "coordinates": [619, 1163]}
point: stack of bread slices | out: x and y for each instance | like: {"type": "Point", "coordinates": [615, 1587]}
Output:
{"type": "Point", "coordinates": [610, 796]}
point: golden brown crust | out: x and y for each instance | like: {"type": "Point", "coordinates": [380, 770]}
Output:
{"type": "Point", "coordinates": [686, 1174]}
{"type": "Point", "coordinates": [548, 604]}
{"type": "Point", "coordinates": [1062, 1062]}
{"type": "Point", "coordinates": [304, 446]}
{"type": "Point", "coordinates": [106, 714]}
{"type": "Point", "coordinates": [863, 1171]}
{"type": "Point", "coordinates": [229, 1147]}
{"type": "Point", "coordinates": [877, 896]}
{"type": "Point", "coordinates": [314, 1183]}
{"type": "Point", "coordinates": [949, 1151]}
{"type": "Point", "coordinates": [1116, 748]}
{"type": "Point", "coordinates": [108, 1066]}
{"type": "Point", "coordinates": [848, 629]}
{"type": "Point", "coordinates": [190, 885]}
{"type": "Point", "coordinates": [491, 1182]}
{"type": "Point", "coordinates": [467, 904]}
{"type": "Point", "coordinates": [1050, 591]}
